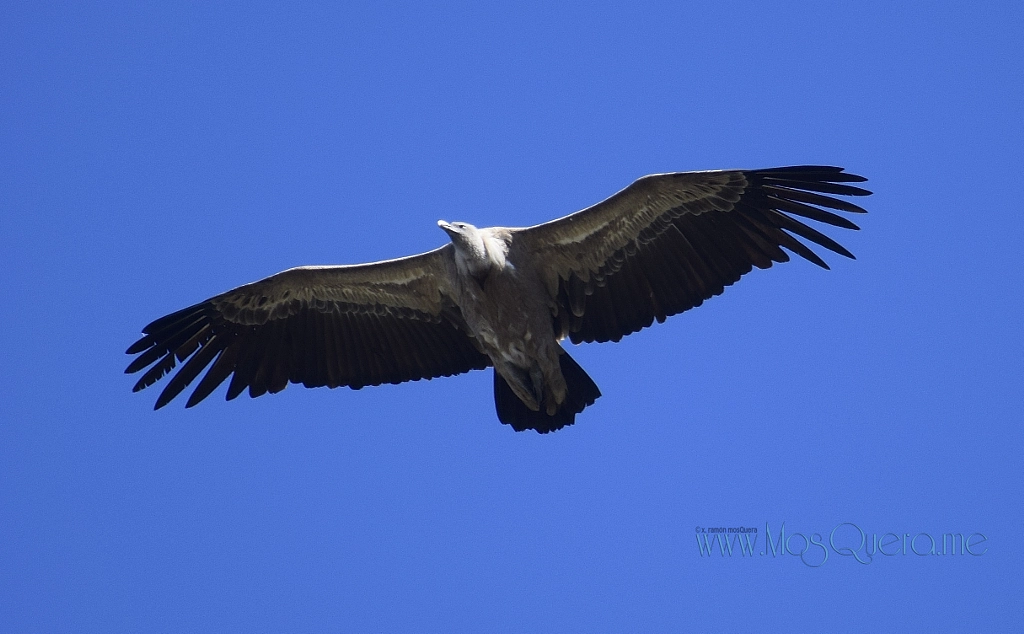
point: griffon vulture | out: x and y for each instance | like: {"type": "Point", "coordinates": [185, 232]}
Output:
{"type": "Point", "coordinates": [502, 297]}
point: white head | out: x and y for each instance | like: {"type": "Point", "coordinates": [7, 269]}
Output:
{"type": "Point", "coordinates": [476, 251]}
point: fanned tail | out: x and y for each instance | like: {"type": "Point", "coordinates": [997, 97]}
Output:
{"type": "Point", "coordinates": [581, 391]}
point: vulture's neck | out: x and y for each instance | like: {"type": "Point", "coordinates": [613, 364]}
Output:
{"type": "Point", "coordinates": [478, 252]}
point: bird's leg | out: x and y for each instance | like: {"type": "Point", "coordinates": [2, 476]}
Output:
{"type": "Point", "coordinates": [537, 382]}
{"type": "Point", "coordinates": [556, 390]}
{"type": "Point", "coordinates": [522, 384]}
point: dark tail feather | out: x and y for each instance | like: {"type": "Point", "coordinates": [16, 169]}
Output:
{"type": "Point", "coordinates": [581, 392]}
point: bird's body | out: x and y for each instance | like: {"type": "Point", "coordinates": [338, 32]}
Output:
{"type": "Point", "coordinates": [516, 335]}
{"type": "Point", "coordinates": [501, 297]}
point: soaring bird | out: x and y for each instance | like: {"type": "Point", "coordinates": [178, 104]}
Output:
{"type": "Point", "coordinates": [502, 297]}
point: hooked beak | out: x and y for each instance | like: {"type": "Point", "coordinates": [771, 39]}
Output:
{"type": "Point", "coordinates": [448, 228]}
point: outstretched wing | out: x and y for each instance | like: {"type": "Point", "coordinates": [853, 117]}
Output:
{"type": "Point", "coordinates": [367, 324]}
{"type": "Point", "coordinates": [669, 241]}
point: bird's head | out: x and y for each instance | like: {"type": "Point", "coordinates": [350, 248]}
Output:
{"type": "Point", "coordinates": [471, 247]}
{"type": "Point", "coordinates": [456, 228]}
{"type": "Point", "coordinates": [466, 237]}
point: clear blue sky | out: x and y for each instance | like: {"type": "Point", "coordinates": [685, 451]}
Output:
{"type": "Point", "coordinates": [154, 154]}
